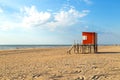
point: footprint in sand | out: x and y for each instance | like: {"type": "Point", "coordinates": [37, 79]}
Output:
{"type": "Point", "coordinates": [80, 78]}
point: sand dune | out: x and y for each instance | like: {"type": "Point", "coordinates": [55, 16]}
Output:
{"type": "Point", "coordinates": [56, 64]}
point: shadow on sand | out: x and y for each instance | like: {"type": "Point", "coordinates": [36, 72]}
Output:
{"type": "Point", "coordinates": [108, 53]}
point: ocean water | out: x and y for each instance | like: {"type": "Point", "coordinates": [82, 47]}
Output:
{"type": "Point", "coordinates": [7, 47]}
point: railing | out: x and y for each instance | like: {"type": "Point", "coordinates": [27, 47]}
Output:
{"type": "Point", "coordinates": [81, 48]}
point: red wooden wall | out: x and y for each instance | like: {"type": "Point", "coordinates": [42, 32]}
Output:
{"type": "Point", "coordinates": [89, 38]}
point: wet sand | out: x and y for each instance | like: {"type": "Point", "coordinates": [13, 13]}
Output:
{"type": "Point", "coordinates": [56, 64]}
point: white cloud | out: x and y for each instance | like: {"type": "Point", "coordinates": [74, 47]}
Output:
{"type": "Point", "coordinates": [6, 25]}
{"type": "Point", "coordinates": [14, 5]}
{"type": "Point", "coordinates": [88, 1]}
{"type": "Point", "coordinates": [67, 18]}
{"type": "Point", "coordinates": [8, 22]}
{"type": "Point", "coordinates": [1, 10]}
{"type": "Point", "coordinates": [32, 17]}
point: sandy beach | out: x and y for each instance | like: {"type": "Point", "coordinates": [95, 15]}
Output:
{"type": "Point", "coordinates": [56, 64]}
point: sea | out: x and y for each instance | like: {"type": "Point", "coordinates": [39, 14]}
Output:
{"type": "Point", "coordinates": [8, 47]}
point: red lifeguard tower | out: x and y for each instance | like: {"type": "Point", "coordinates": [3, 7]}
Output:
{"type": "Point", "coordinates": [88, 45]}
{"type": "Point", "coordinates": [89, 42]}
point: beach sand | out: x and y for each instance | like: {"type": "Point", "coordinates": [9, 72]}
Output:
{"type": "Point", "coordinates": [56, 64]}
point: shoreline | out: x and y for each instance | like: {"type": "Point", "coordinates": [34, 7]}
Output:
{"type": "Point", "coordinates": [12, 47]}
{"type": "Point", "coordinates": [15, 47]}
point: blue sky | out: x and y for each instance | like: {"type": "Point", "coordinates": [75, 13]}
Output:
{"type": "Point", "coordinates": [58, 21]}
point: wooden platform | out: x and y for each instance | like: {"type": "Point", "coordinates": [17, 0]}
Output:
{"type": "Point", "coordinates": [79, 48]}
